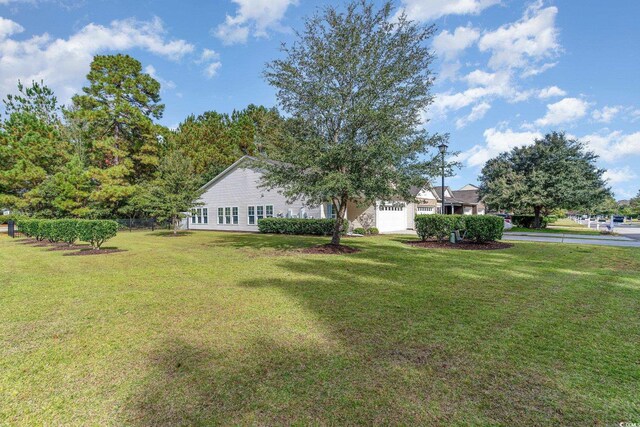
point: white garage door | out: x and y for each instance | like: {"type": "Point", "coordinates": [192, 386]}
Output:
{"type": "Point", "coordinates": [391, 217]}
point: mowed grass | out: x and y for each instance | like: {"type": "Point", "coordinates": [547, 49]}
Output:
{"type": "Point", "coordinates": [214, 328]}
{"type": "Point", "coordinates": [555, 230]}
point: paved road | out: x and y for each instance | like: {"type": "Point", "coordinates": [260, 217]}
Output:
{"type": "Point", "coordinates": [572, 238]}
{"type": "Point", "coordinates": [580, 239]}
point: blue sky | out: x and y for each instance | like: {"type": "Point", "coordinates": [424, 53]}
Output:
{"type": "Point", "coordinates": [508, 71]}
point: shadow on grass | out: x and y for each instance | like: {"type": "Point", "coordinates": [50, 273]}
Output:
{"type": "Point", "coordinates": [422, 337]}
{"type": "Point", "coordinates": [169, 233]}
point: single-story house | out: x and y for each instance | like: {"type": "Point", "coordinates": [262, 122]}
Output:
{"type": "Point", "coordinates": [234, 201]}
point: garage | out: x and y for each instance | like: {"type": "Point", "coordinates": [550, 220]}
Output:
{"type": "Point", "coordinates": [391, 216]}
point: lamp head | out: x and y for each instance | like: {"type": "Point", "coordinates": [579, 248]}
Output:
{"type": "Point", "coordinates": [443, 148]}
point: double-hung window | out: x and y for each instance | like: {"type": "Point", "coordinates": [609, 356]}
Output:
{"type": "Point", "coordinates": [257, 212]}
{"type": "Point", "coordinates": [228, 215]}
{"type": "Point", "coordinates": [234, 215]}
{"type": "Point", "coordinates": [251, 215]}
{"type": "Point", "coordinates": [200, 216]}
{"type": "Point", "coordinates": [331, 212]}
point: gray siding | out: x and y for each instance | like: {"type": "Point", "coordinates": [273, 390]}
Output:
{"type": "Point", "coordinates": [239, 187]}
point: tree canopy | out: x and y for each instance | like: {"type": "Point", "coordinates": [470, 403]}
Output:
{"type": "Point", "coordinates": [355, 83]}
{"type": "Point", "coordinates": [552, 173]}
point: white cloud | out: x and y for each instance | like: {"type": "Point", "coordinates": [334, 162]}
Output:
{"type": "Point", "coordinates": [424, 10]}
{"type": "Point", "coordinates": [613, 145]}
{"type": "Point", "coordinates": [211, 59]}
{"type": "Point", "coordinates": [477, 112]}
{"type": "Point", "coordinates": [9, 27]}
{"type": "Point", "coordinates": [564, 111]}
{"type": "Point", "coordinates": [617, 176]}
{"type": "Point", "coordinates": [449, 45]}
{"type": "Point", "coordinates": [164, 84]}
{"type": "Point", "coordinates": [212, 69]}
{"type": "Point", "coordinates": [64, 63]}
{"type": "Point", "coordinates": [208, 55]}
{"type": "Point", "coordinates": [550, 92]}
{"type": "Point", "coordinates": [496, 142]}
{"type": "Point", "coordinates": [519, 44]}
{"type": "Point", "coordinates": [535, 70]}
{"type": "Point", "coordinates": [605, 114]}
{"type": "Point", "coordinates": [253, 17]}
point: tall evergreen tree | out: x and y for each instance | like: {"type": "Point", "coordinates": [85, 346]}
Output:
{"type": "Point", "coordinates": [175, 191]}
{"type": "Point", "coordinates": [31, 146]}
{"type": "Point", "coordinates": [355, 84]}
{"type": "Point", "coordinates": [553, 173]}
{"type": "Point", "coordinates": [114, 118]}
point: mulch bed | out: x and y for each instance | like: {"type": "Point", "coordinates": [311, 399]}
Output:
{"type": "Point", "coordinates": [65, 247]}
{"type": "Point", "coordinates": [93, 252]}
{"type": "Point", "coordinates": [330, 249]}
{"type": "Point", "coordinates": [465, 245]}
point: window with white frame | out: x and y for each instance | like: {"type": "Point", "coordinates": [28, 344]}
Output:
{"type": "Point", "coordinates": [392, 207]}
{"type": "Point", "coordinates": [257, 212]}
{"type": "Point", "coordinates": [234, 215]}
{"type": "Point", "coordinates": [228, 215]}
{"type": "Point", "coordinates": [199, 216]}
{"type": "Point", "coordinates": [251, 215]}
{"type": "Point", "coordinates": [331, 212]}
{"type": "Point", "coordinates": [426, 209]}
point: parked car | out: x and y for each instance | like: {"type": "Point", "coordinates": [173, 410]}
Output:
{"type": "Point", "coordinates": [507, 220]}
{"type": "Point", "coordinates": [618, 218]}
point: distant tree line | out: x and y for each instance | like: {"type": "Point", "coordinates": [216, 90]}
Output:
{"type": "Point", "coordinates": [105, 155]}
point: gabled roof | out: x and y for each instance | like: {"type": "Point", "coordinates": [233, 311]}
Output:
{"type": "Point", "coordinates": [232, 167]}
{"type": "Point", "coordinates": [467, 196]}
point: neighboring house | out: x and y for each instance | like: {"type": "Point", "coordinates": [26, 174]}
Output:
{"type": "Point", "coordinates": [234, 201]}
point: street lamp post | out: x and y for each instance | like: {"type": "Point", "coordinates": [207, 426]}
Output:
{"type": "Point", "coordinates": [443, 149]}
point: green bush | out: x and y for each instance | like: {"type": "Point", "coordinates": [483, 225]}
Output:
{"type": "Point", "coordinates": [373, 230]}
{"type": "Point", "coordinates": [96, 232]}
{"type": "Point", "coordinates": [5, 218]}
{"type": "Point", "coordinates": [35, 228]}
{"type": "Point", "coordinates": [527, 221]}
{"type": "Point", "coordinates": [67, 230]}
{"type": "Point", "coordinates": [483, 228]}
{"type": "Point", "coordinates": [359, 230]}
{"type": "Point", "coordinates": [48, 230]}
{"type": "Point", "coordinates": [438, 225]}
{"type": "Point", "coordinates": [317, 227]}
{"type": "Point", "coordinates": [551, 219]}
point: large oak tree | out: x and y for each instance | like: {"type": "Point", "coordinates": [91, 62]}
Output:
{"type": "Point", "coordinates": [355, 83]}
{"type": "Point", "coordinates": [552, 173]}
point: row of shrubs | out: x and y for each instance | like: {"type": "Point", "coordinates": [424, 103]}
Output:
{"type": "Point", "coordinates": [96, 232]}
{"type": "Point", "coordinates": [317, 227]}
{"type": "Point", "coordinates": [479, 228]}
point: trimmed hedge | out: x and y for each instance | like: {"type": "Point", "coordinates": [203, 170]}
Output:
{"type": "Point", "coordinates": [527, 221]}
{"type": "Point", "coordinates": [479, 228]}
{"type": "Point", "coordinates": [438, 225]}
{"type": "Point", "coordinates": [316, 227]}
{"type": "Point", "coordinates": [96, 232]}
{"type": "Point", "coordinates": [483, 228]}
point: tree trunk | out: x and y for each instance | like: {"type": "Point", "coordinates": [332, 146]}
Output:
{"type": "Point", "coordinates": [175, 225]}
{"type": "Point", "coordinates": [337, 228]}
{"type": "Point", "coordinates": [536, 220]}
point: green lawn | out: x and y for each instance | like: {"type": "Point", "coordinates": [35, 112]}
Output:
{"type": "Point", "coordinates": [214, 328]}
{"type": "Point", "coordinates": [555, 230]}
